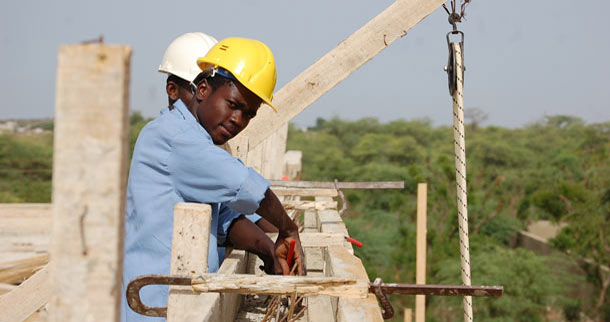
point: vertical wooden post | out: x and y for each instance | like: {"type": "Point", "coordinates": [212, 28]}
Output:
{"type": "Point", "coordinates": [420, 261]}
{"type": "Point", "coordinates": [408, 315]}
{"type": "Point", "coordinates": [190, 245]}
{"type": "Point", "coordinates": [89, 177]}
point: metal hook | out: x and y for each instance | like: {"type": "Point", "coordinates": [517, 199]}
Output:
{"type": "Point", "coordinates": [388, 310]}
{"type": "Point", "coordinates": [133, 292]}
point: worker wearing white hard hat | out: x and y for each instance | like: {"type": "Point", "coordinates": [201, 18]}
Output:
{"type": "Point", "coordinates": [180, 64]}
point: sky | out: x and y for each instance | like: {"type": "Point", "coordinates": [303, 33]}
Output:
{"type": "Point", "coordinates": [524, 59]}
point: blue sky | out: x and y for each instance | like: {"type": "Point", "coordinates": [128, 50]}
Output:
{"type": "Point", "coordinates": [524, 59]}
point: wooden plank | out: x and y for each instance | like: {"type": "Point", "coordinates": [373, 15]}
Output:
{"type": "Point", "coordinates": [5, 288]}
{"type": "Point", "coordinates": [310, 221]}
{"type": "Point", "coordinates": [235, 263]}
{"type": "Point", "coordinates": [336, 65]}
{"type": "Point", "coordinates": [25, 218]}
{"type": "Point", "coordinates": [340, 263]}
{"type": "Point", "coordinates": [20, 270]}
{"type": "Point", "coordinates": [27, 298]}
{"type": "Point", "coordinates": [190, 246]}
{"type": "Point", "coordinates": [308, 204]}
{"type": "Point", "coordinates": [224, 307]}
{"type": "Point", "coordinates": [319, 309]}
{"type": "Point", "coordinates": [420, 272]}
{"type": "Point", "coordinates": [408, 315]}
{"type": "Point", "coordinates": [15, 247]}
{"type": "Point", "coordinates": [304, 192]}
{"type": "Point", "coordinates": [329, 216]}
{"type": "Point", "coordinates": [314, 259]}
{"type": "Point", "coordinates": [317, 239]}
{"type": "Point", "coordinates": [341, 185]}
{"type": "Point", "coordinates": [318, 306]}
{"type": "Point", "coordinates": [89, 179]}
{"type": "Point", "coordinates": [281, 285]}
{"type": "Point", "coordinates": [292, 167]}
{"type": "Point", "coordinates": [267, 158]}
{"type": "Point", "coordinates": [330, 222]}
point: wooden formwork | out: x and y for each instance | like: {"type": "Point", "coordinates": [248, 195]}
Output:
{"type": "Point", "coordinates": [327, 254]}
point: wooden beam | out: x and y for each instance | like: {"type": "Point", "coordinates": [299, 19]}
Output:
{"type": "Point", "coordinates": [23, 301]}
{"type": "Point", "coordinates": [330, 222]}
{"type": "Point", "coordinates": [224, 306]}
{"type": "Point", "coordinates": [281, 285]}
{"type": "Point", "coordinates": [20, 270]}
{"type": "Point", "coordinates": [341, 264]}
{"type": "Point", "coordinates": [336, 65]}
{"type": "Point", "coordinates": [420, 272]}
{"type": "Point", "coordinates": [190, 246]}
{"type": "Point", "coordinates": [408, 315]}
{"type": "Point", "coordinates": [89, 179]}
{"type": "Point", "coordinates": [309, 204]}
{"type": "Point", "coordinates": [5, 288]}
{"type": "Point", "coordinates": [25, 218]}
{"type": "Point", "coordinates": [310, 221]}
{"type": "Point", "coordinates": [341, 185]}
{"type": "Point", "coordinates": [292, 164]}
{"type": "Point", "coordinates": [304, 192]}
{"type": "Point", "coordinates": [317, 239]}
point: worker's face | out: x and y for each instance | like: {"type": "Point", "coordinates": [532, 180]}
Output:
{"type": "Point", "coordinates": [226, 111]}
{"type": "Point", "coordinates": [175, 92]}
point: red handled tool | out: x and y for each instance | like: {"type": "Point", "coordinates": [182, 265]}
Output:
{"type": "Point", "coordinates": [353, 241]}
{"type": "Point", "coordinates": [290, 256]}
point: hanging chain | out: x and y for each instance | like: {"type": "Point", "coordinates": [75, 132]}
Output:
{"type": "Point", "coordinates": [455, 17]}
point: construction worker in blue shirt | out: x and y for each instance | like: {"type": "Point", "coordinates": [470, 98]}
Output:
{"type": "Point", "coordinates": [176, 159]}
{"type": "Point", "coordinates": [180, 64]}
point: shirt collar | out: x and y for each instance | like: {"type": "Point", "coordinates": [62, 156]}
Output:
{"type": "Point", "coordinates": [188, 116]}
{"type": "Point", "coordinates": [184, 111]}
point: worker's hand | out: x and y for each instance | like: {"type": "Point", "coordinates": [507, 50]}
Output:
{"type": "Point", "coordinates": [282, 247]}
{"type": "Point", "coordinates": [247, 236]}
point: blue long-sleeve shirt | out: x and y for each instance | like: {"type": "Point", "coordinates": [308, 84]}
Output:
{"type": "Point", "coordinates": [175, 160]}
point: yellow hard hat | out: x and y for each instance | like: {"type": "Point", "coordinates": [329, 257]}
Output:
{"type": "Point", "coordinates": [249, 60]}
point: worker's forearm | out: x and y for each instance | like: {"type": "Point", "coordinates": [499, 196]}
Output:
{"type": "Point", "coordinates": [247, 236]}
{"type": "Point", "coordinates": [271, 209]}
{"type": "Point", "coordinates": [266, 226]}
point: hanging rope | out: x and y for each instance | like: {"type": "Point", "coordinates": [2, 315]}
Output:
{"type": "Point", "coordinates": [455, 71]}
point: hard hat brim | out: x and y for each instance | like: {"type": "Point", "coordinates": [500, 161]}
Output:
{"type": "Point", "coordinates": [204, 64]}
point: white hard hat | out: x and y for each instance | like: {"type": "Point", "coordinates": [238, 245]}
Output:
{"type": "Point", "coordinates": [180, 58]}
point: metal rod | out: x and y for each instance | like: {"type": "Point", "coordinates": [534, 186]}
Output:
{"type": "Point", "coordinates": [441, 290]}
{"type": "Point", "coordinates": [351, 288]}
{"type": "Point", "coordinates": [340, 185]}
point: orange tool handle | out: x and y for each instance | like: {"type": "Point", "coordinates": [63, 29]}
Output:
{"type": "Point", "coordinates": [353, 241]}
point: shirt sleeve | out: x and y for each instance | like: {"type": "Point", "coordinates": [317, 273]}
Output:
{"type": "Point", "coordinates": [254, 218]}
{"type": "Point", "coordinates": [226, 217]}
{"type": "Point", "coordinates": [202, 172]}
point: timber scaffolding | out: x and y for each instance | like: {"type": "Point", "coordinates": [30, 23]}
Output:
{"type": "Point", "coordinates": [80, 235]}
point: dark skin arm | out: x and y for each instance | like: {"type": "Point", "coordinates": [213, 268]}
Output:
{"type": "Point", "coordinates": [247, 236]}
{"type": "Point", "coordinates": [266, 226]}
{"type": "Point", "coordinates": [271, 209]}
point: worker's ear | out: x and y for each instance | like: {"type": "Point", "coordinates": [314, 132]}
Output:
{"type": "Point", "coordinates": [172, 90]}
{"type": "Point", "coordinates": [203, 89]}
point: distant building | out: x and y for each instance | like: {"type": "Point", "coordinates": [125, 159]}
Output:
{"type": "Point", "coordinates": [8, 127]}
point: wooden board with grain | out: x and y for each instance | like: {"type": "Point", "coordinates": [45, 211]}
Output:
{"type": "Point", "coordinates": [190, 246]}
{"type": "Point", "coordinates": [89, 178]}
